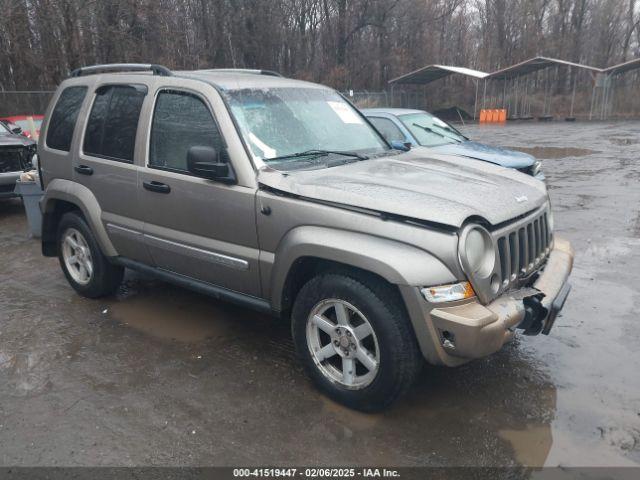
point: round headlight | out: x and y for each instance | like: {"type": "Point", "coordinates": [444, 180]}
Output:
{"type": "Point", "coordinates": [478, 251]}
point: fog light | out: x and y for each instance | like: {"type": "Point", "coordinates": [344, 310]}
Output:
{"type": "Point", "coordinates": [448, 293]}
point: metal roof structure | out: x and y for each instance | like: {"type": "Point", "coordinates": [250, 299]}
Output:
{"type": "Point", "coordinates": [431, 73]}
{"type": "Point", "coordinates": [535, 64]}
{"type": "Point", "coordinates": [602, 89]}
{"type": "Point", "coordinates": [622, 67]}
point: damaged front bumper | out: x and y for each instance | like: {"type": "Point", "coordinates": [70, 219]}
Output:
{"type": "Point", "coordinates": [467, 330]}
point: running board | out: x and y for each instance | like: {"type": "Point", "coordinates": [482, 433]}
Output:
{"type": "Point", "coordinates": [219, 293]}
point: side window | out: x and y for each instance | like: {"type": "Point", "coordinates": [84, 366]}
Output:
{"type": "Point", "coordinates": [388, 129]}
{"type": "Point", "coordinates": [113, 122]}
{"type": "Point", "coordinates": [64, 116]}
{"type": "Point", "coordinates": [180, 121]}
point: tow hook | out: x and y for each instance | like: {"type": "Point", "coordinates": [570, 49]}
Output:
{"type": "Point", "coordinates": [534, 315]}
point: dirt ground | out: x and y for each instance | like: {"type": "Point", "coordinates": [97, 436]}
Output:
{"type": "Point", "coordinates": [161, 376]}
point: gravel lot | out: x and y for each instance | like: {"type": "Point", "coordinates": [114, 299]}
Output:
{"type": "Point", "coordinates": [161, 376]}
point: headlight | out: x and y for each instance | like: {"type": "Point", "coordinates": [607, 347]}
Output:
{"type": "Point", "coordinates": [477, 254]}
{"type": "Point", "coordinates": [535, 169]}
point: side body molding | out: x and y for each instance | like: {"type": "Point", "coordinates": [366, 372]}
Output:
{"type": "Point", "coordinates": [81, 196]}
{"type": "Point", "coordinates": [396, 262]}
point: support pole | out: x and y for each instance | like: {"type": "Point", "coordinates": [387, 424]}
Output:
{"type": "Point", "coordinates": [504, 92]}
{"type": "Point", "coordinates": [484, 94]}
{"type": "Point", "coordinates": [594, 79]}
{"type": "Point", "coordinates": [515, 102]}
{"type": "Point", "coordinates": [573, 93]}
{"type": "Point", "coordinates": [475, 105]}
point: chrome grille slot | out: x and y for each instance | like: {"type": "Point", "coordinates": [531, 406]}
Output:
{"type": "Point", "coordinates": [522, 248]}
{"type": "Point", "coordinates": [531, 251]}
{"type": "Point", "coordinates": [545, 232]}
{"type": "Point", "coordinates": [515, 256]}
{"type": "Point", "coordinates": [505, 259]}
{"type": "Point", "coordinates": [536, 235]}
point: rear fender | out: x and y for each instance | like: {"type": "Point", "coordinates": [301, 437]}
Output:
{"type": "Point", "coordinates": [80, 196]}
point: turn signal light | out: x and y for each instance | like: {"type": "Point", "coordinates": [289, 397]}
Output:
{"type": "Point", "coordinates": [448, 293]}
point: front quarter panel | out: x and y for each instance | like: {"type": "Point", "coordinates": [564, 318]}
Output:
{"type": "Point", "coordinates": [398, 263]}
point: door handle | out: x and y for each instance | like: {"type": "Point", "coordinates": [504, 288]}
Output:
{"type": "Point", "coordinates": [156, 187]}
{"type": "Point", "coordinates": [84, 170]}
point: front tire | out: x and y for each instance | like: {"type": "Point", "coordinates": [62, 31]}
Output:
{"type": "Point", "coordinates": [355, 340]}
{"type": "Point", "coordinates": [83, 263]}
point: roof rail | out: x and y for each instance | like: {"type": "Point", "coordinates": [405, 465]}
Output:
{"type": "Point", "coordinates": [122, 67]}
{"type": "Point", "coordinates": [255, 71]}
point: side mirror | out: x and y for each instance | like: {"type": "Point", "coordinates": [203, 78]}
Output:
{"type": "Point", "coordinates": [403, 146]}
{"type": "Point", "coordinates": [205, 162]}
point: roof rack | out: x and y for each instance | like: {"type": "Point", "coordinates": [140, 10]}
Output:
{"type": "Point", "coordinates": [122, 67]}
{"type": "Point", "coordinates": [255, 71]}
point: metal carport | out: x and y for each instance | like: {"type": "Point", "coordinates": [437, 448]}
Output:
{"type": "Point", "coordinates": [513, 73]}
{"type": "Point", "coordinates": [431, 73]}
{"type": "Point", "coordinates": [603, 90]}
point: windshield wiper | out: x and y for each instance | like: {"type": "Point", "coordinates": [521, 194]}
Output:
{"type": "Point", "coordinates": [317, 153]}
{"type": "Point", "coordinates": [455, 131]}
{"type": "Point", "coordinates": [431, 130]}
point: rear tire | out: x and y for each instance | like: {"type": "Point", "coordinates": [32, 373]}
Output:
{"type": "Point", "coordinates": [87, 270]}
{"type": "Point", "coordinates": [365, 362]}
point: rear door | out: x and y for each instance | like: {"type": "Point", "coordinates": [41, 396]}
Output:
{"type": "Point", "coordinates": [106, 166]}
{"type": "Point", "coordinates": [196, 227]}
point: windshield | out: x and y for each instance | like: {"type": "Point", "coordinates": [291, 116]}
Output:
{"type": "Point", "coordinates": [3, 129]}
{"type": "Point", "coordinates": [286, 122]}
{"type": "Point", "coordinates": [430, 131]}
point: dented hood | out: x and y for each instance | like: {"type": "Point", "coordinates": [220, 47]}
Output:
{"type": "Point", "coordinates": [10, 140]}
{"type": "Point", "coordinates": [435, 188]}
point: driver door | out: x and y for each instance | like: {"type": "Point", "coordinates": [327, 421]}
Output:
{"type": "Point", "coordinates": [195, 227]}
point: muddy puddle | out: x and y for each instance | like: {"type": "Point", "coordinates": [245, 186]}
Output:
{"type": "Point", "coordinates": [172, 313]}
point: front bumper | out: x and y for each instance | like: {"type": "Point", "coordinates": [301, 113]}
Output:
{"type": "Point", "coordinates": [467, 330]}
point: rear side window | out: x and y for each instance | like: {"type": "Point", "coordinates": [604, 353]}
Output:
{"type": "Point", "coordinates": [64, 116]}
{"type": "Point", "coordinates": [388, 129]}
{"type": "Point", "coordinates": [180, 121]}
{"type": "Point", "coordinates": [113, 122]}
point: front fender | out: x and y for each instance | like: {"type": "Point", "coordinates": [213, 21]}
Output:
{"type": "Point", "coordinates": [396, 262]}
{"type": "Point", "coordinates": [80, 196]}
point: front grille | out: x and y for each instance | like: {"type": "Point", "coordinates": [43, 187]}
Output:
{"type": "Point", "coordinates": [523, 249]}
{"type": "Point", "coordinates": [12, 159]}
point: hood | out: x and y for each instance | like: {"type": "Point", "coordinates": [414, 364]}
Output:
{"type": "Point", "coordinates": [11, 140]}
{"type": "Point", "coordinates": [434, 188]}
{"type": "Point", "coordinates": [487, 153]}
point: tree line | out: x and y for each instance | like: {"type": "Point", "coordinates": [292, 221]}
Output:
{"type": "Point", "coordinates": [348, 44]}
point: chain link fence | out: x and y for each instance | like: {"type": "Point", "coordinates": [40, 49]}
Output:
{"type": "Point", "coordinates": [623, 103]}
{"type": "Point", "coordinates": [24, 102]}
{"type": "Point", "coordinates": [387, 99]}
